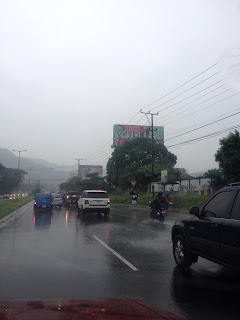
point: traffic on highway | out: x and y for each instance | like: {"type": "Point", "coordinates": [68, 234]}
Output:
{"type": "Point", "coordinates": [63, 254]}
{"type": "Point", "coordinates": [119, 160]}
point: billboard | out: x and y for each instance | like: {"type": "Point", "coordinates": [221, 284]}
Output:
{"type": "Point", "coordinates": [85, 169]}
{"type": "Point", "coordinates": [123, 133]}
{"type": "Point", "coordinates": [164, 176]}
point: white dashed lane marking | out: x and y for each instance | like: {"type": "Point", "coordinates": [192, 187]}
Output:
{"type": "Point", "coordinates": [116, 254]}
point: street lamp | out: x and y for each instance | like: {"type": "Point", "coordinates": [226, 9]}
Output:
{"type": "Point", "coordinates": [19, 151]}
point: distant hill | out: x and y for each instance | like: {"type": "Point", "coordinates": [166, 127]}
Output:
{"type": "Point", "coordinates": [49, 174]}
{"type": "Point", "coordinates": [10, 160]}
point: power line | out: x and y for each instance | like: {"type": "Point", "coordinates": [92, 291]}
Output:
{"type": "Point", "coordinates": [204, 137]}
{"type": "Point", "coordinates": [204, 126]}
{"type": "Point", "coordinates": [195, 100]}
{"type": "Point", "coordinates": [185, 91]}
{"type": "Point", "coordinates": [175, 115]}
{"type": "Point", "coordinates": [99, 149]}
{"type": "Point", "coordinates": [51, 168]}
{"type": "Point", "coordinates": [48, 180]}
{"type": "Point", "coordinates": [205, 108]}
{"type": "Point", "coordinates": [199, 110]}
{"type": "Point", "coordinates": [196, 94]}
{"type": "Point", "coordinates": [169, 134]}
{"type": "Point", "coordinates": [179, 87]}
{"type": "Point", "coordinates": [202, 108]}
{"type": "Point", "coordinates": [212, 66]}
{"type": "Point", "coordinates": [104, 155]}
{"type": "Point", "coordinates": [140, 120]}
{"type": "Point", "coordinates": [88, 158]}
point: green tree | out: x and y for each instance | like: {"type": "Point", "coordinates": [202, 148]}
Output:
{"type": "Point", "coordinates": [178, 173]}
{"type": "Point", "coordinates": [217, 178]}
{"type": "Point", "coordinates": [72, 184]}
{"type": "Point", "coordinates": [228, 157]}
{"type": "Point", "coordinates": [132, 161]}
{"type": "Point", "coordinates": [93, 181]}
{"type": "Point", "coordinates": [9, 179]}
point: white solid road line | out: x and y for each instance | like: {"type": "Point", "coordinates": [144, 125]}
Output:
{"type": "Point", "coordinates": [116, 254]}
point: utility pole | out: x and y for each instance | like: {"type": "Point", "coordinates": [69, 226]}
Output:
{"type": "Point", "coordinates": [151, 124]}
{"type": "Point", "coordinates": [19, 151]}
{"type": "Point", "coordinates": [78, 160]}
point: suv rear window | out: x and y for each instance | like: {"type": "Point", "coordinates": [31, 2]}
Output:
{"type": "Point", "coordinates": [56, 195]}
{"type": "Point", "coordinates": [72, 193]}
{"type": "Point", "coordinates": [44, 195]}
{"type": "Point", "coordinates": [97, 195]}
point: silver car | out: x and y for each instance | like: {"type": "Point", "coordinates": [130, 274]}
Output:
{"type": "Point", "coordinates": [57, 200]}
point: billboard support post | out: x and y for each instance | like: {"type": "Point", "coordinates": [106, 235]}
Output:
{"type": "Point", "coordinates": [152, 114]}
{"type": "Point", "coordinates": [78, 160]}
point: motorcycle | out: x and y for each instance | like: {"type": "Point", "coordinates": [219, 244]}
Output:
{"type": "Point", "coordinates": [158, 212]}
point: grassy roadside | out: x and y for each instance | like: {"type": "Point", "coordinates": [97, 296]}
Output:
{"type": "Point", "coordinates": [184, 201]}
{"type": "Point", "coordinates": [143, 199]}
{"type": "Point", "coordinates": [8, 206]}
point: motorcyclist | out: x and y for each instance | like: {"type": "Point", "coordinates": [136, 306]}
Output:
{"type": "Point", "coordinates": [159, 201]}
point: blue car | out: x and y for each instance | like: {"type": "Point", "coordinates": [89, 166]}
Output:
{"type": "Point", "coordinates": [43, 200]}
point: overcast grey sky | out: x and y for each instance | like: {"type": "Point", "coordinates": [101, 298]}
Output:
{"type": "Point", "coordinates": [70, 70]}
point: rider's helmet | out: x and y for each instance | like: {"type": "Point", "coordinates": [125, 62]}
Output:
{"type": "Point", "coordinates": [159, 194]}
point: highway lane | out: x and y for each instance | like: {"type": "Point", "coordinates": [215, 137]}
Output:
{"type": "Point", "coordinates": [57, 254]}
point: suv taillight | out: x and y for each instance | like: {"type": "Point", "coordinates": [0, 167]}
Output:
{"type": "Point", "coordinates": [86, 202]}
{"type": "Point", "coordinates": [108, 202]}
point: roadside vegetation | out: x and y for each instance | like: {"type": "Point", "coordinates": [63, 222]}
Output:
{"type": "Point", "coordinates": [9, 179]}
{"type": "Point", "coordinates": [8, 206]}
{"type": "Point", "coordinates": [185, 201]}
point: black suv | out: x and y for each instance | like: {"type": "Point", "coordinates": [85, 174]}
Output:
{"type": "Point", "coordinates": [71, 197]}
{"type": "Point", "coordinates": [213, 232]}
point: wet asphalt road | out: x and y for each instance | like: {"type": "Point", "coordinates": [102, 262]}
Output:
{"type": "Point", "coordinates": [56, 254]}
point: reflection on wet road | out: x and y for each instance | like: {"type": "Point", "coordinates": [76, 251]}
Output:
{"type": "Point", "coordinates": [58, 254]}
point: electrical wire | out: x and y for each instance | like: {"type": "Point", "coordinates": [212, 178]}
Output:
{"type": "Point", "coordinates": [175, 115]}
{"type": "Point", "coordinates": [204, 126]}
{"type": "Point", "coordinates": [193, 101]}
{"type": "Point", "coordinates": [210, 104]}
{"type": "Point", "coordinates": [202, 108]}
{"type": "Point", "coordinates": [101, 150]}
{"type": "Point", "coordinates": [195, 95]}
{"type": "Point", "coordinates": [185, 116]}
{"type": "Point", "coordinates": [169, 134]}
{"type": "Point", "coordinates": [186, 90]}
{"type": "Point", "coordinates": [179, 87]}
{"type": "Point", "coordinates": [204, 137]}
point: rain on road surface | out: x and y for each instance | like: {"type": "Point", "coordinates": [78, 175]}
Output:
{"type": "Point", "coordinates": [57, 254]}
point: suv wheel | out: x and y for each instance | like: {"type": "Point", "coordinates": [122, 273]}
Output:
{"type": "Point", "coordinates": [106, 213]}
{"type": "Point", "coordinates": [181, 252]}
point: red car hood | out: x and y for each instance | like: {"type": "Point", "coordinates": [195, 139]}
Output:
{"type": "Point", "coordinates": [82, 309]}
